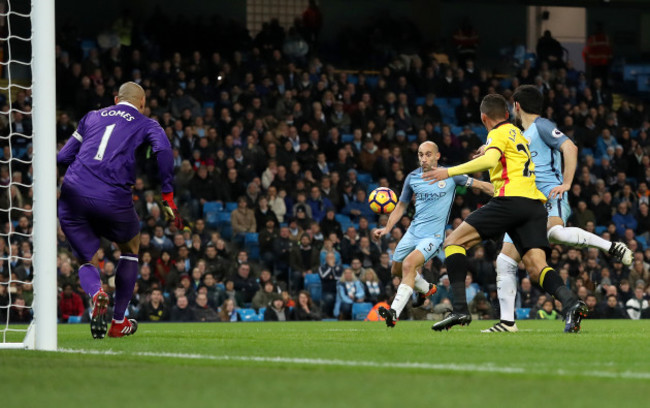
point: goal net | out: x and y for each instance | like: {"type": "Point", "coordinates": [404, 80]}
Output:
{"type": "Point", "coordinates": [28, 291]}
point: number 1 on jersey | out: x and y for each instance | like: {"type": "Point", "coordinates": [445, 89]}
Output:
{"type": "Point", "coordinates": [104, 142]}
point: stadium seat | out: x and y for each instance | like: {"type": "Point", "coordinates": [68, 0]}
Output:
{"type": "Point", "coordinates": [420, 100]}
{"type": "Point", "coordinates": [371, 186]}
{"type": "Point", "coordinates": [313, 286]}
{"type": "Point", "coordinates": [456, 130]}
{"type": "Point", "coordinates": [208, 104]}
{"type": "Point", "coordinates": [522, 313]}
{"type": "Point", "coordinates": [347, 138]}
{"type": "Point", "coordinates": [353, 79]}
{"type": "Point", "coordinates": [343, 220]}
{"type": "Point", "coordinates": [230, 206]}
{"type": "Point", "coordinates": [454, 102]}
{"type": "Point", "coordinates": [252, 238]}
{"type": "Point", "coordinates": [74, 319]}
{"type": "Point", "coordinates": [253, 252]}
{"type": "Point", "coordinates": [481, 132]}
{"type": "Point", "coordinates": [248, 315]}
{"type": "Point", "coordinates": [364, 178]}
{"type": "Point", "coordinates": [223, 218]}
{"type": "Point", "coordinates": [260, 314]}
{"type": "Point", "coordinates": [372, 81]}
{"type": "Point", "coordinates": [361, 310]}
{"type": "Point", "coordinates": [440, 102]}
{"type": "Point", "coordinates": [600, 229]}
{"type": "Point", "coordinates": [212, 206]}
{"type": "Point", "coordinates": [226, 231]}
{"type": "Point", "coordinates": [641, 241]}
{"type": "Point", "coordinates": [506, 83]}
{"type": "Point", "coordinates": [411, 138]}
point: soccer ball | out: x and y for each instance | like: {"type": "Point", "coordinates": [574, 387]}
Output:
{"type": "Point", "coordinates": [382, 200]}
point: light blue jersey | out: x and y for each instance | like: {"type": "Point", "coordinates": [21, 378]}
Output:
{"type": "Point", "coordinates": [432, 206]}
{"type": "Point", "coordinates": [544, 141]}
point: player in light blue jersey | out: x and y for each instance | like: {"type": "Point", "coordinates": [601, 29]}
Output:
{"type": "Point", "coordinates": [549, 148]}
{"type": "Point", "coordinates": [426, 233]}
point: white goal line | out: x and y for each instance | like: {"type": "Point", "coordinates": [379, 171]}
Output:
{"type": "Point", "coordinates": [466, 368]}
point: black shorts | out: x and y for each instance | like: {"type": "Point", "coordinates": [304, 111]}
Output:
{"type": "Point", "coordinates": [524, 219]}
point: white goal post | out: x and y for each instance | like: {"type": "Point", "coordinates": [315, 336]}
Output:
{"type": "Point", "coordinates": [42, 332]}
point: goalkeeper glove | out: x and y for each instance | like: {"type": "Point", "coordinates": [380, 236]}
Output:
{"type": "Point", "coordinates": [171, 211]}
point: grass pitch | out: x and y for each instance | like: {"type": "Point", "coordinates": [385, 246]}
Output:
{"type": "Point", "coordinates": [335, 364]}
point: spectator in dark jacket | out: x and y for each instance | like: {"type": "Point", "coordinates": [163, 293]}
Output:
{"type": "Point", "coordinates": [276, 310]}
{"type": "Point", "coordinates": [181, 312]}
{"type": "Point", "coordinates": [202, 312]}
{"type": "Point", "coordinates": [245, 284]}
{"type": "Point", "coordinates": [305, 309]}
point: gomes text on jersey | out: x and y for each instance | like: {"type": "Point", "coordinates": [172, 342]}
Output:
{"type": "Point", "coordinates": [432, 202]}
{"type": "Point", "coordinates": [104, 166]}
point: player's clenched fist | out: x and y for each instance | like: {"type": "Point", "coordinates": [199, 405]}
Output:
{"type": "Point", "coordinates": [380, 232]}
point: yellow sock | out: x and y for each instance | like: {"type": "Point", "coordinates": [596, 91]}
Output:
{"type": "Point", "coordinates": [455, 249]}
{"type": "Point", "coordinates": [543, 274]}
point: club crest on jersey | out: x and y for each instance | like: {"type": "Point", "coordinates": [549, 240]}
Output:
{"type": "Point", "coordinates": [557, 133]}
{"type": "Point", "coordinates": [442, 183]}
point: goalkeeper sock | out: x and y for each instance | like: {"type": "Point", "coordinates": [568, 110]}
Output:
{"type": "Point", "coordinates": [402, 297]}
{"type": "Point", "coordinates": [457, 265]}
{"type": "Point", "coordinates": [126, 275]}
{"type": "Point", "coordinates": [551, 282]}
{"type": "Point", "coordinates": [89, 279]}
{"type": "Point", "coordinates": [421, 284]}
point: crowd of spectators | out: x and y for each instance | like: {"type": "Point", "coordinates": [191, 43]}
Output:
{"type": "Point", "coordinates": [296, 144]}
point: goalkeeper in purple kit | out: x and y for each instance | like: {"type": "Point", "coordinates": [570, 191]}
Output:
{"type": "Point", "coordinates": [96, 198]}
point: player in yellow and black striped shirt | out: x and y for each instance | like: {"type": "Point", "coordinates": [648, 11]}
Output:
{"type": "Point", "coordinates": [516, 208]}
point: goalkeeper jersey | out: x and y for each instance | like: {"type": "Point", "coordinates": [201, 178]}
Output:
{"type": "Point", "coordinates": [514, 174]}
{"type": "Point", "coordinates": [104, 165]}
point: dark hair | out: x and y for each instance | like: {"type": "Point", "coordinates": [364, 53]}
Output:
{"type": "Point", "coordinates": [530, 99]}
{"type": "Point", "coordinates": [494, 106]}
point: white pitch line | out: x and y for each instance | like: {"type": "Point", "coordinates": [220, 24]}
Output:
{"type": "Point", "coordinates": [488, 367]}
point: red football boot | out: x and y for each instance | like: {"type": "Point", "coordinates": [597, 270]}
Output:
{"type": "Point", "coordinates": [126, 328]}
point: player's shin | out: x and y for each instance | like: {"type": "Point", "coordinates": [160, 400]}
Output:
{"type": "Point", "coordinates": [551, 282]}
{"type": "Point", "coordinates": [89, 279]}
{"type": "Point", "coordinates": [577, 237]}
{"type": "Point", "coordinates": [457, 265]}
{"type": "Point", "coordinates": [506, 287]}
{"type": "Point", "coordinates": [125, 278]}
{"type": "Point", "coordinates": [421, 284]}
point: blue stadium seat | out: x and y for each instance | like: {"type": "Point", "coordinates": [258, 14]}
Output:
{"type": "Point", "coordinates": [353, 79]}
{"type": "Point", "coordinates": [252, 238]}
{"type": "Point", "coordinates": [223, 218]}
{"type": "Point", "coordinates": [481, 132]}
{"type": "Point", "coordinates": [642, 242]}
{"type": "Point", "coordinates": [313, 286]}
{"type": "Point", "coordinates": [506, 83]}
{"type": "Point", "coordinates": [456, 130]}
{"type": "Point", "coordinates": [230, 206]}
{"type": "Point", "coordinates": [420, 100]}
{"type": "Point", "coordinates": [74, 319]}
{"type": "Point", "coordinates": [372, 80]}
{"type": "Point", "coordinates": [600, 229]}
{"type": "Point", "coordinates": [372, 225]}
{"type": "Point", "coordinates": [347, 138]}
{"type": "Point", "coordinates": [364, 178]}
{"type": "Point", "coordinates": [208, 104]}
{"type": "Point", "coordinates": [253, 252]}
{"type": "Point", "coordinates": [454, 102]}
{"type": "Point", "coordinates": [371, 186]}
{"type": "Point", "coordinates": [226, 232]}
{"type": "Point", "coordinates": [212, 206]}
{"type": "Point", "coordinates": [360, 310]}
{"type": "Point", "coordinates": [440, 102]}
{"type": "Point", "coordinates": [522, 313]}
{"type": "Point", "coordinates": [248, 315]}
{"type": "Point", "coordinates": [342, 218]}
{"type": "Point", "coordinates": [411, 138]}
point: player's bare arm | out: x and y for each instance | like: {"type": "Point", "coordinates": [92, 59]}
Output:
{"type": "Point", "coordinates": [570, 159]}
{"type": "Point", "coordinates": [483, 186]}
{"type": "Point", "coordinates": [394, 217]}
